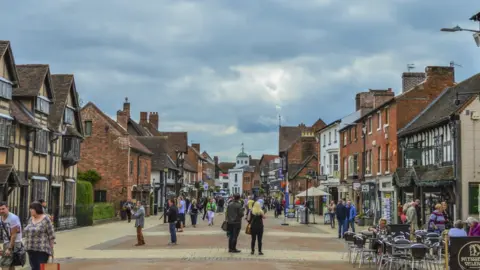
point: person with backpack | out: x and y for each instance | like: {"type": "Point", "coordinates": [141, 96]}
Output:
{"type": "Point", "coordinates": [211, 208]}
{"type": "Point", "coordinates": [193, 210]}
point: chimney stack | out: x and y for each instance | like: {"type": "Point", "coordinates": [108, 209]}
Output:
{"type": "Point", "coordinates": [143, 118]}
{"type": "Point", "coordinates": [196, 146]}
{"type": "Point", "coordinates": [445, 74]}
{"type": "Point", "coordinates": [126, 107]}
{"type": "Point", "coordinates": [153, 119]}
{"type": "Point", "coordinates": [412, 79]}
{"type": "Point", "coordinates": [122, 119]}
{"type": "Point", "coordinates": [372, 98]}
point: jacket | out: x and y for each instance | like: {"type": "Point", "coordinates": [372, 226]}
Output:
{"type": "Point", "coordinates": [140, 217]}
{"type": "Point", "coordinates": [475, 231]}
{"type": "Point", "coordinates": [341, 211]}
{"type": "Point", "coordinates": [172, 214]}
{"type": "Point", "coordinates": [412, 218]}
{"type": "Point", "coordinates": [235, 212]}
{"type": "Point", "coordinates": [352, 213]}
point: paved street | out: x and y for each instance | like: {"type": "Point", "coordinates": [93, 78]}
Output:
{"type": "Point", "coordinates": [110, 246]}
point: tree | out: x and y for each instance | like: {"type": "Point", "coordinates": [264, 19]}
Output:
{"type": "Point", "coordinates": [217, 189]}
{"type": "Point", "coordinates": [91, 176]}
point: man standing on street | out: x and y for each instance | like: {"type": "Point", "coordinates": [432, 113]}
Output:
{"type": "Point", "coordinates": [341, 213]}
{"type": "Point", "coordinates": [139, 217]}
{"type": "Point", "coordinates": [172, 220]}
{"type": "Point", "coordinates": [235, 212]}
{"type": "Point", "coordinates": [11, 232]}
{"type": "Point", "coordinates": [352, 213]}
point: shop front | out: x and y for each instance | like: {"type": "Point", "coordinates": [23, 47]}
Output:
{"type": "Point", "coordinates": [388, 205]}
{"type": "Point", "coordinates": [368, 199]}
{"type": "Point", "coordinates": [430, 184]}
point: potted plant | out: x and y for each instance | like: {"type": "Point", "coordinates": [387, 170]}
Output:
{"type": "Point", "coordinates": [360, 219]}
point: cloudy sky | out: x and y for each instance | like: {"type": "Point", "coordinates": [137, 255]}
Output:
{"type": "Point", "coordinates": [224, 70]}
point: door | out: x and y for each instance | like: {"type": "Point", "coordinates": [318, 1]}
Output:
{"type": "Point", "coordinates": [55, 205]}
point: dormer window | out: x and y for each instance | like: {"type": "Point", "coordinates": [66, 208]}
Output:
{"type": "Point", "coordinates": [69, 116]}
{"type": "Point", "coordinates": [43, 105]}
{"type": "Point", "coordinates": [5, 89]}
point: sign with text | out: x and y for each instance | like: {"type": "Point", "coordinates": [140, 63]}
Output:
{"type": "Point", "coordinates": [291, 211]}
{"type": "Point", "coordinates": [464, 253]}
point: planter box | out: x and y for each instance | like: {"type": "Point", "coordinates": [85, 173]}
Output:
{"type": "Point", "coordinates": [361, 222]}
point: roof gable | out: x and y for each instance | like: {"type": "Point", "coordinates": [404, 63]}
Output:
{"type": "Point", "coordinates": [32, 77]}
{"type": "Point", "coordinates": [116, 125]}
{"type": "Point", "coordinates": [7, 54]}
{"type": "Point", "coordinates": [442, 107]}
{"type": "Point", "coordinates": [288, 135]}
{"type": "Point", "coordinates": [63, 85]}
{"type": "Point", "coordinates": [303, 165]}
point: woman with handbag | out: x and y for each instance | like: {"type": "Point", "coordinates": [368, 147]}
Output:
{"type": "Point", "coordinates": [39, 236]}
{"type": "Point", "coordinates": [255, 222]}
{"type": "Point", "coordinates": [193, 209]}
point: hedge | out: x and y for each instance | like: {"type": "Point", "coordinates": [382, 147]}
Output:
{"type": "Point", "coordinates": [103, 211]}
{"type": "Point", "coordinates": [84, 207]}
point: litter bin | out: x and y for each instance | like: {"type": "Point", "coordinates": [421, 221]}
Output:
{"type": "Point", "coordinates": [301, 215]}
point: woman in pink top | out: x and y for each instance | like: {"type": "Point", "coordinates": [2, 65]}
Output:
{"type": "Point", "coordinates": [474, 226]}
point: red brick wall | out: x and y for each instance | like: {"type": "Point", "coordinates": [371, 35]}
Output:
{"type": "Point", "coordinates": [248, 178]}
{"type": "Point", "coordinates": [351, 148]}
{"type": "Point", "coordinates": [105, 151]}
{"type": "Point", "coordinates": [145, 172]}
{"type": "Point", "coordinates": [298, 184]}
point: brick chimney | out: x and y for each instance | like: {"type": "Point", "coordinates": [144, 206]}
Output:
{"type": "Point", "coordinates": [444, 74]}
{"type": "Point", "coordinates": [372, 98]}
{"type": "Point", "coordinates": [215, 159]}
{"type": "Point", "coordinates": [153, 119]}
{"type": "Point", "coordinates": [196, 146]}
{"type": "Point", "coordinates": [122, 119]}
{"type": "Point", "coordinates": [412, 79]}
{"type": "Point", "coordinates": [143, 118]}
{"type": "Point", "coordinates": [126, 107]}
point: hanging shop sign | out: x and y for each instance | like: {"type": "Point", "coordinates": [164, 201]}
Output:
{"type": "Point", "coordinates": [464, 253]}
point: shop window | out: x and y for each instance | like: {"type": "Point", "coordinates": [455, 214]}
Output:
{"type": "Point", "coordinates": [473, 198]}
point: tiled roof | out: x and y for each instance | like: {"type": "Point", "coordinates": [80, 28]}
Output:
{"type": "Point", "coordinates": [265, 159]}
{"type": "Point", "coordinates": [188, 166]}
{"type": "Point", "coordinates": [106, 117]}
{"type": "Point", "coordinates": [22, 115]}
{"type": "Point", "coordinates": [31, 79]}
{"type": "Point", "coordinates": [6, 53]}
{"type": "Point", "coordinates": [61, 86]}
{"type": "Point", "coordinates": [254, 162]}
{"type": "Point", "coordinates": [190, 148]}
{"type": "Point", "coordinates": [288, 135]}
{"type": "Point", "coordinates": [135, 144]}
{"type": "Point", "coordinates": [3, 47]}
{"type": "Point", "coordinates": [225, 166]}
{"type": "Point", "coordinates": [177, 141]}
{"type": "Point", "coordinates": [158, 146]}
{"type": "Point", "coordinates": [136, 129]}
{"type": "Point", "coordinates": [443, 106]}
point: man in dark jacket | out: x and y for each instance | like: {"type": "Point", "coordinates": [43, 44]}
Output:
{"type": "Point", "coordinates": [172, 214]}
{"type": "Point", "coordinates": [342, 216]}
{"type": "Point", "coordinates": [418, 209]}
{"type": "Point", "coordinates": [234, 220]}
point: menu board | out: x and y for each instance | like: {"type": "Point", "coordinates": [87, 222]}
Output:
{"type": "Point", "coordinates": [387, 207]}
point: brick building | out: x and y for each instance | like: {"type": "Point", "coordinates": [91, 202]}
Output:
{"type": "Point", "coordinates": [122, 161]}
{"type": "Point", "coordinates": [300, 147]}
{"type": "Point", "coordinates": [371, 159]}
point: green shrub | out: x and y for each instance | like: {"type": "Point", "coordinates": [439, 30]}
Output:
{"type": "Point", "coordinates": [91, 176]}
{"type": "Point", "coordinates": [103, 211]}
{"type": "Point", "coordinates": [151, 204]}
{"type": "Point", "coordinates": [84, 193]}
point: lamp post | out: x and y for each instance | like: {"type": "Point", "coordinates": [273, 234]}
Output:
{"type": "Point", "coordinates": [476, 33]}
{"type": "Point", "coordinates": [179, 163]}
{"type": "Point", "coordinates": [308, 178]}
{"type": "Point", "coordinates": [164, 192]}
{"type": "Point", "coordinates": [284, 169]}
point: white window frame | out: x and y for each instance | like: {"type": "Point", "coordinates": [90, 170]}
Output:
{"type": "Point", "coordinates": [379, 165]}
{"type": "Point", "coordinates": [335, 165]}
{"type": "Point", "coordinates": [387, 116]}
{"type": "Point", "coordinates": [43, 105]}
{"type": "Point", "coordinates": [69, 115]}
{"type": "Point", "coordinates": [370, 125]}
{"type": "Point", "coordinates": [345, 167]}
{"type": "Point", "coordinates": [329, 138]}
{"type": "Point", "coordinates": [350, 165]}
{"type": "Point", "coordinates": [387, 154]}
{"type": "Point", "coordinates": [335, 136]}
{"type": "Point", "coordinates": [379, 120]}
{"type": "Point", "coordinates": [6, 89]}
{"type": "Point", "coordinates": [41, 141]}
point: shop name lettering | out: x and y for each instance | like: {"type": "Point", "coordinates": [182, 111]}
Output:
{"type": "Point", "coordinates": [470, 261]}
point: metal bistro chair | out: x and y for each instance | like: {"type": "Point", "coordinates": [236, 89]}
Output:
{"type": "Point", "coordinates": [396, 256]}
{"type": "Point", "coordinates": [349, 246]}
{"type": "Point", "coordinates": [418, 257]}
{"type": "Point", "coordinates": [365, 253]}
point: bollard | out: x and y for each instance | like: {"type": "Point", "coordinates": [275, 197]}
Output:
{"type": "Point", "coordinates": [446, 238]}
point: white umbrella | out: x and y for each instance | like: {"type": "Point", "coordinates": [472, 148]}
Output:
{"type": "Point", "coordinates": [313, 192]}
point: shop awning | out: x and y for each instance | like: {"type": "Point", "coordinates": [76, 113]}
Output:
{"type": "Point", "coordinates": [313, 192]}
{"type": "Point", "coordinates": [433, 176]}
{"type": "Point", "coordinates": [403, 177]}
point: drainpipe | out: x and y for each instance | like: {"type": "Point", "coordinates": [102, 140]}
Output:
{"type": "Point", "coordinates": [138, 177]}
{"type": "Point", "coordinates": [27, 156]}
{"type": "Point", "coordinates": [50, 176]}
{"type": "Point", "coordinates": [455, 129]}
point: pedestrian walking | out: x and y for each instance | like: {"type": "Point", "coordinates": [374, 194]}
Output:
{"type": "Point", "coordinates": [341, 213]}
{"type": "Point", "coordinates": [11, 232]}
{"type": "Point", "coordinates": [255, 220]}
{"type": "Point", "coordinates": [181, 213]}
{"type": "Point", "coordinates": [139, 217]}
{"type": "Point", "coordinates": [205, 202]}
{"type": "Point", "coordinates": [193, 210]}
{"type": "Point", "coordinates": [352, 213]}
{"type": "Point", "coordinates": [128, 206]}
{"type": "Point", "coordinates": [235, 213]}
{"type": "Point", "coordinates": [331, 210]}
{"type": "Point", "coordinates": [39, 237]}
{"type": "Point", "coordinates": [172, 215]}
{"type": "Point", "coordinates": [221, 204]}
{"type": "Point", "coordinates": [211, 207]}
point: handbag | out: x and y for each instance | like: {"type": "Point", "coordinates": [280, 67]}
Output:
{"type": "Point", "coordinates": [225, 226]}
{"type": "Point", "coordinates": [19, 255]}
{"type": "Point", "coordinates": [248, 229]}
{"type": "Point", "coordinates": [50, 266]}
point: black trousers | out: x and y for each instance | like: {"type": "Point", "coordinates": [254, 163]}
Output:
{"type": "Point", "coordinates": [234, 231]}
{"type": "Point", "coordinates": [36, 258]}
{"type": "Point", "coordinates": [257, 236]}
{"type": "Point", "coordinates": [129, 215]}
{"type": "Point", "coordinates": [204, 212]}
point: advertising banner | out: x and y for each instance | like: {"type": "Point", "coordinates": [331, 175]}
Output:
{"type": "Point", "coordinates": [464, 253]}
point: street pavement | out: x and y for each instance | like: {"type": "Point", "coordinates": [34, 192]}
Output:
{"type": "Point", "coordinates": [111, 246]}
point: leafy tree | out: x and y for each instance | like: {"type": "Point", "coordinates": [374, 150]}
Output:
{"type": "Point", "coordinates": [217, 189]}
{"type": "Point", "coordinates": [91, 176]}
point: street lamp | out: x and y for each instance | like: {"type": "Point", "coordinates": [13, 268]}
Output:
{"type": "Point", "coordinates": [308, 178]}
{"type": "Point", "coordinates": [476, 33]}
{"type": "Point", "coordinates": [179, 163]}
{"type": "Point", "coordinates": [164, 182]}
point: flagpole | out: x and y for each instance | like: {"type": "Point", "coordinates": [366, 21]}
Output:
{"type": "Point", "coordinates": [287, 200]}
